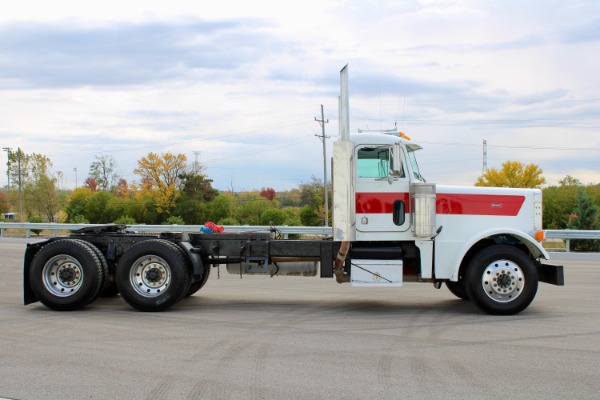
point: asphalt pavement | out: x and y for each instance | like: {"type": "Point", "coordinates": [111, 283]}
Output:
{"type": "Point", "coordinates": [303, 338]}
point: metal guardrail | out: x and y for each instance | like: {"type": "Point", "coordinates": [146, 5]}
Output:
{"type": "Point", "coordinates": [567, 235]}
{"type": "Point", "coordinates": [54, 227]}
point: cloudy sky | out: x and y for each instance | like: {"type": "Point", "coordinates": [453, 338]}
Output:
{"type": "Point", "coordinates": [238, 84]}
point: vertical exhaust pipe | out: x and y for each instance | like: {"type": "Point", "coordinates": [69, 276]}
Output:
{"type": "Point", "coordinates": [344, 106]}
{"type": "Point", "coordinates": [344, 230]}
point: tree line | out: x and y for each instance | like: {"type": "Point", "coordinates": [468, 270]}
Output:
{"type": "Point", "coordinates": [169, 191]}
{"type": "Point", "coordinates": [172, 191]}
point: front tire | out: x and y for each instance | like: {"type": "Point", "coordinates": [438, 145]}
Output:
{"type": "Point", "coordinates": [153, 275]}
{"type": "Point", "coordinates": [458, 289]}
{"type": "Point", "coordinates": [502, 280]}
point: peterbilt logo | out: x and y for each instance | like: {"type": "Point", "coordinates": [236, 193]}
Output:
{"type": "Point", "coordinates": [496, 205]}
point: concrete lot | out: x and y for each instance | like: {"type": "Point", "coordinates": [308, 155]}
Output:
{"type": "Point", "coordinates": [303, 338]}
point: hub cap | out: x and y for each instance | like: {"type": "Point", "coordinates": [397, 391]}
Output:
{"type": "Point", "coordinates": [503, 281]}
{"type": "Point", "coordinates": [62, 275]}
{"type": "Point", "coordinates": [150, 276]}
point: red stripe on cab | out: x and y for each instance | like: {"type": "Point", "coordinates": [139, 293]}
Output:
{"type": "Point", "coordinates": [446, 203]}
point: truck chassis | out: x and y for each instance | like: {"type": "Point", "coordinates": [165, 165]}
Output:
{"type": "Point", "coordinates": [152, 272]}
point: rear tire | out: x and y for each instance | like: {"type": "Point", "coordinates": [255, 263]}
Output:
{"type": "Point", "coordinates": [199, 284]}
{"type": "Point", "coordinates": [501, 280]}
{"type": "Point", "coordinates": [66, 274]}
{"type": "Point", "coordinates": [153, 275]}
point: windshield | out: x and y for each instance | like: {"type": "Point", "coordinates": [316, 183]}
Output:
{"type": "Point", "coordinates": [413, 162]}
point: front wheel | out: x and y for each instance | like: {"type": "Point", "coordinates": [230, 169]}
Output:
{"type": "Point", "coordinates": [152, 275]}
{"type": "Point", "coordinates": [501, 280]}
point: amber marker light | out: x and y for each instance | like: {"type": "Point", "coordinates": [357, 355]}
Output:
{"type": "Point", "coordinates": [540, 235]}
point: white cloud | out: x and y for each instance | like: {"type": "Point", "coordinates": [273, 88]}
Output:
{"type": "Point", "coordinates": [241, 82]}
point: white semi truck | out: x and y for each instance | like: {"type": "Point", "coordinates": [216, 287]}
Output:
{"type": "Point", "coordinates": [389, 227]}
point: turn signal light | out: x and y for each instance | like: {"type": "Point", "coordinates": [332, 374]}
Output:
{"type": "Point", "coordinates": [540, 235]}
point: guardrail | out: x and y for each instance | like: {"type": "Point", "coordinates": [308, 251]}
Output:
{"type": "Point", "coordinates": [566, 234]}
{"type": "Point", "coordinates": [54, 227]}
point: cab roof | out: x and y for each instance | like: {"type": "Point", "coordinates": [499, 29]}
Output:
{"type": "Point", "coordinates": [383, 139]}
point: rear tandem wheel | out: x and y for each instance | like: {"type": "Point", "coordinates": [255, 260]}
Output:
{"type": "Point", "coordinates": [153, 275]}
{"type": "Point", "coordinates": [67, 274]}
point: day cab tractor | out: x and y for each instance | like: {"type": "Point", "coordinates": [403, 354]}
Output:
{"type": "Point", "coordinates": [390, 226]}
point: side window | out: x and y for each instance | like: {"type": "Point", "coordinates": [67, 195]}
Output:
{"type": "Point", "coordinates": [373, 162]}
{"type": "Point", "coordinates": [376, 162]}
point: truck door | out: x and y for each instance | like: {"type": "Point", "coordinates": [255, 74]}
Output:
{"type": "Point", "coordinates": [381, 189]}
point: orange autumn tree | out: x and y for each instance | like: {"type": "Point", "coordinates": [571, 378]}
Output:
{"type": "Point", "coordinates": [160, 178]}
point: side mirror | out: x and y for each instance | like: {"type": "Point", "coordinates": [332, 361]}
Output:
{"type": "Point", "coordinates": [397, 169]}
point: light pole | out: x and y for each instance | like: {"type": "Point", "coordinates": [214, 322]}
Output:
{"type": "Point", "coordinates": [75, 169]}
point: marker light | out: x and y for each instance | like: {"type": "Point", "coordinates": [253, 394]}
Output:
{"type": "Point", "coordinates": [403, 135]}
{"type": "Point", "coordinates": [540, 235]}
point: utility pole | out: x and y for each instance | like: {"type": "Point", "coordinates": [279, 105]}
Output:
{"type": "Point", "coordinates": [75, 170]}
{"type": "Point", "coordinates": [484, 157]}
{"type": "Point", "coordinates": [322, 122]}
{"type": "Point", "coordinates": [20, 186]}
{"type": "Point", "coordinates": [196, 154]}
{"type": "Point", "coordinates": [8, 150]}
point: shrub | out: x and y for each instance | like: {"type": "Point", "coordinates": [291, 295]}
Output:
{"type": "Point", "coordinates": [37, 220]}
{"type": "Point", "coordinates": [125, 220]}
{"type": "Point", "coordinates": [174, 220]}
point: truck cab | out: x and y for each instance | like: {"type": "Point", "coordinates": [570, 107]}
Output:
{"type": "Point", "coordinates": [400, 227]}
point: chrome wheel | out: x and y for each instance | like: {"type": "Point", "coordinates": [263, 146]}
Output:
{"type": "Point", "coordinates": [153, 275]}
{"type": "Point", "coordinates": [62, 275]}
{"type": "Point", "coordinates": [150, 275]}
{"type": "Point", "coordinates": [503, 281]}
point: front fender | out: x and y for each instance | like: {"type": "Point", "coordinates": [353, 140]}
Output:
{"type": "Point", "coordinates": [534, 247]}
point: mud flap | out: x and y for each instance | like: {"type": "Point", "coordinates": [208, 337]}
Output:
{"type": "Point", "coordinates": [32, 248]}
{"type": "Point", "coordinates": [552, 274]}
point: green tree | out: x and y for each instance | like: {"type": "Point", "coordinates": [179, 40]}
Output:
{"type": "Point", "coordinates": [103, 170]}
{"type": "Point", "coordinates": [292, 216]}
{"type": "Point", "coordinates": [97, 210]}
{"type": "Point", "coordinates": [77, 202]}
{"type": "Point", "coordinates": [196, 193]}
{"type": "Point", "coordinates": [143, 209]}
{"type": "Point", "coordinates": [221, 207]}
{"type": "Point", "coordinates": [273, 216]}
{"type": "Point", "coordinates": [558, 201]}
{"type": "Point", "coordinates": [513, 174]}
{"type": "Point", "coordinates": [41, 198]}
{"type": "Point", "coordinates": [584, 217]}
{"type": "Point", "coordinates": [312, 195]}
{"type": "Point", "coordinates": [250, 207]}
{"type": "Point", "coordinates": [197, 186]}
{"type": "Point", "coordinates": [36, 220]}
{"type": "Point", "coordinates": [31, 166]}
{"type": "Point", "coordinates": [309, 216]}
